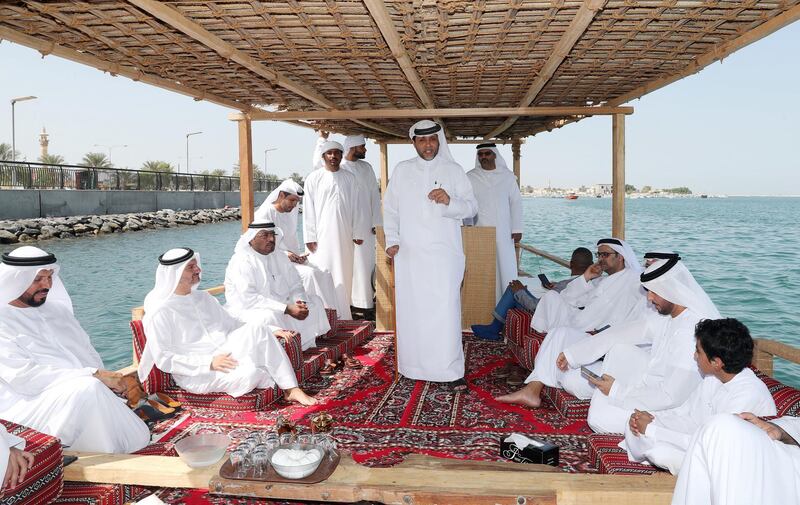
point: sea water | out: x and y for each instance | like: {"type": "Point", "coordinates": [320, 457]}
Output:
{"type": "Point", "coordinates": [742, 250]}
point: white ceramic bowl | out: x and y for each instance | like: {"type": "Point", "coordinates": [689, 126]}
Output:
{"type": "Point", "coordinates": [298, 470]}
{"type": "Point", "coordinates": [202, 450]}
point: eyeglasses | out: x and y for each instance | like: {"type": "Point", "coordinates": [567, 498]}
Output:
{"type": "Point", "coordinates": [604, 255]}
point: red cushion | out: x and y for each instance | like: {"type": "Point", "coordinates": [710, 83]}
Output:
{"type": "Point", "coordinates": [294, 350]}
{"type": "Point", "coordinates": [567, 404]}
{"type": "Point", "coordinates": [787, 398]}
{"type": "Point", "coordinates": [89, 493]}
{"type": "Point", "coordinates": [518, 323]}
{"type": "Point", "coordinates": [44, 480]}
{"type": "Point", "coordinates": [157, 380]}
{"type": "Point", "coordinates": [605, 453]}
{"type": "Point", "coordinates": [332, 321]}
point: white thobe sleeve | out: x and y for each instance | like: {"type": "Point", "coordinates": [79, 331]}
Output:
{"type": "Point", "coordinates": [463, 203]}
{"type": "Point", "coordinates": [24, 375]}
{"type": "Point", "coordinates": [391, 214]}
{"type": "Point", "coordinates": [578, 290]}
{"type": "Point", "coordinates": [515, 201]}
{"type": "Point", "coordinates": [595, 347]}
{"type": "Point", "coordinates": [375, 199]}
{"type": "Point", "coordinates": [309, 215]}
{"type": "Point", "coordinates": [677, 383]}
{"type": "Point", "coordinates": [226, 321]}
{"type": "Point", "coordinates": [677, 425]}
{"type": "Point", "coordinates": [361, 220]}
{"type": "Point", "coordinates": [791, 425]}
{"type": "Point", "coordinates": [168, 350]}
{"type": "Point", "coordinates": [316, 158]}
{"type": "Point", "coordinates": [294, 280]}
{"type": "Point", "coordinates": [239, 279]}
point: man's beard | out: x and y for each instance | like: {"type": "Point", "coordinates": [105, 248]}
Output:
{"type": "Point", "coordinates": [30, 301]}
{"type": "Point", "coordinates": [360, 156]}
{"type": "Point", "coordinates": [665, 309]}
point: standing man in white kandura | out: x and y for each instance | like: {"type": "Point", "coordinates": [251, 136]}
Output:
{"type": "Point", "coordinates": [355, 150]}
{"type": "Point", "coordinates": [499, 205]}
{"type": "Point", "coordinates": [332, 225]}
{"type": "Point", "coordinates": [427, 198]}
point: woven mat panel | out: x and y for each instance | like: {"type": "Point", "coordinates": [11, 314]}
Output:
{"type": "Point", "coordinates": [478, 288]}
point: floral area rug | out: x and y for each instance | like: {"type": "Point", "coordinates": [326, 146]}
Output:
{"type": "Point", "coordinates": [380, 420]}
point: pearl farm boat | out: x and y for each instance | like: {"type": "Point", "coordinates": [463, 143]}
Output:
{"type": "Point", "coordinates": [488, 71]}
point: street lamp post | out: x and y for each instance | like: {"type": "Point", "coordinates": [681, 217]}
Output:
{"type": "Point", "coordinates": [187, 149]}
{"type": "Point", "coordinates": [265, 156]}
{"type": "Point", "coordinates": [13, 130]}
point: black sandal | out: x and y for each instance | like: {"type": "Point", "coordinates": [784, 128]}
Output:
{"type": "Point", "coordinates": [459, 385]}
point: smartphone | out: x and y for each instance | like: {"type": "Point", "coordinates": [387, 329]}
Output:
{"type": "Point", "coordinates": [70, 459]}
{"type": "Point", "coordinates": [604, 328]}
{"type": "Point", "coordinates": [544, 280]}
{"type": "Point", "coordinates": [589, 374]}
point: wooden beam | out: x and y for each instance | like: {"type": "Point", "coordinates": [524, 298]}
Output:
{"type": "Point", "coordinates": [246, 172]}
{"type": "Point", "coordinates": [175, 19]}
{"type": "Point", "coordinates": [380, 15]}
{"type": "Point", "coordinates": [46, 48]}
{"type": "Point", "coordinates": [618, 176]}
{"type": "Point", "coordinates": [137, 469]}
{"type": "Point", "coordinates": [561, 50]}
{"type": "Point", "coordinates": [445, 113]}
{"type": "Point", "coordinates": [718, 53]}
{"type": "Point", "coordinates": [544, 254]}
{"type": "Point", "coordinates": [515, 151]}
{"type": "Point", "coordinates": [384, 161]}
{"type": "Point", "coordinates": [457, 141]}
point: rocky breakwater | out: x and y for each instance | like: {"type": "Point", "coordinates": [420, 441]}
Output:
{"type": "Point", "coordinates": [27, 230]}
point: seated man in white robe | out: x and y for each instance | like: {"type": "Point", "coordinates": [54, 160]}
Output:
{"type": "Point", "coordinates": [741, 460]}
{"type": "Point", "coordinates": [610, 301]}
{"type": "Point", "coordinates": [51, 378]}
{"type": "Point", "coordinates": [281, 208]}
{"type": "Point", "coordinates": [592, 300]}
{"type": "Point", "coordinates": [724, 349]}
{"type": "Point", "coordinates": [191, 336]}
{"type": "Point", "coordinates": [658, 378]}
{"type": "Point", "coordinates": [262, 287]}
{"type": "Point", "coordinates": [14, 461]}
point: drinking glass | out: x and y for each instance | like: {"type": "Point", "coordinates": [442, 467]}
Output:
{"type": "Point", "coordinates": [260, 458]}
{"type": "Point", "coordinates": [239, 461]}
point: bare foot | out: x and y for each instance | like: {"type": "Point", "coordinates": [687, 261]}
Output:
{"type": "Point", "coordinates": [299, 396]}
{"type": "Point", "coordinates": [527, 396]}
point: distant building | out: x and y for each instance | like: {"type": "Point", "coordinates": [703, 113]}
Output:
{"type": "Point", "coordinates": [602, 189]}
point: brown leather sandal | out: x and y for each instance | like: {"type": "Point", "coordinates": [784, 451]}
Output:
{"type": "Point", "coordinates": [351, 362]}
{"type": "Point", "coordinates": [329, 368]}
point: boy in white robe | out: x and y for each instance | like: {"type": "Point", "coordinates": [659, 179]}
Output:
{"type": "Point", "coordinates": [281, 208]}
{"type": "Point", "coordinates": [500, 206]}
{"type": "Point", "coordinates": [724, 349]}
{"type": "Point", "coordinates": [741, 460]}
{"type": "Point", "coordinates": [51, 378]}
{"type": "Point", "coordinates": [658, 378]}
{"type": "Point", "coordinates": [262, 286]}
{"type": "Point", "coordinates": [191, 336]}
{"type": "Point", "coordinates": [355, 150]}
{"type": "Point", "coordinates": [332, 225]}
{"type": "Point", "coordinates": [14, 461]}
{"type": "Point", "coordinates": [609, 301]}
{"type": "Point", "coordinates": [426, 200]}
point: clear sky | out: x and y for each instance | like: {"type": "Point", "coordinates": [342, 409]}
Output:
{"type": "Point", "coordinates": [733, 128]}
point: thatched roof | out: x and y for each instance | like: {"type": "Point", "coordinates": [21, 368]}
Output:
{"type": "Point", "coordinates": [356, 55]}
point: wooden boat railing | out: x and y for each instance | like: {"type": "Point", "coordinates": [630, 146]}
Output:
{"type": "Point", "coordinates": [519, 246]}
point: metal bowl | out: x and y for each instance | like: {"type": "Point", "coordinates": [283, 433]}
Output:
{"type": "Point", "coordinates": [202, 450]}
{"type": "Point", "coordinates": [299, 470]}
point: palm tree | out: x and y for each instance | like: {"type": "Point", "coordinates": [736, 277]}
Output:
{"type": "Point", "coordinates": [296, 178]}
{"type": "Point", "coordinates": [5, 152]}
{"type": "Point", "coordinates": [158, 166]}
{"type": "Point", "coordinates": [52, 159]}
{"type": "Point", "coordinates": [97, 160]}
{"type": "Point", "coordinates": [216, 172]}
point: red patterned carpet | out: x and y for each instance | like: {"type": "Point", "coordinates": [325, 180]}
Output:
{"type": "Point", "coordinates": [380, 421]}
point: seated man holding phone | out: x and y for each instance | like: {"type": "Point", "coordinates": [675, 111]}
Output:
{"type": "Point", "coordinates": [517, 295]}
{"type": "Point", "coordinates": [649, 359]}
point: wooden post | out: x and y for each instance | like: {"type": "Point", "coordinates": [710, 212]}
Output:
{"type": "Point", "coordinates": [384, 167]}
{"type": "Point", "coordinates": [515, 150]}
{"type": "Point", "coordinates": [246, 171]}
{"type": "Point", "coordinates": [618, 176]}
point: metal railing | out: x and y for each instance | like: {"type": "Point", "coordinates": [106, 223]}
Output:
{"type": "Point", "coordinates": [544, 254]}
{"type": "Point", "coordinates": [25, 175]}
